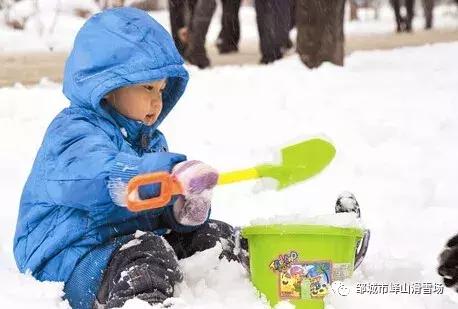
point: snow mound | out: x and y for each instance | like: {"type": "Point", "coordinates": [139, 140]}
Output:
{"type": "Point", "coordinates": [390, 114]}
{"type": "Point", "coordinates": [337, 220]}
{"type": "Point", "coordinates": [23, 291]}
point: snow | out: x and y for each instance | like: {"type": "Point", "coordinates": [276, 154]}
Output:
{"type": "Point", "coordinates": [133, 242]}
{"type": "Point", "coordinates": [337, 220]}
{"type": "Point", "coordinates": [24, 292]}
{"type": "Point", "coordinates": [390, 114]}
{"type": "Point", "coordinates": [48, 31]}
{"type": "Point", "coordinates": [445, 16]}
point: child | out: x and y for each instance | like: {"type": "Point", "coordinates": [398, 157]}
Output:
{"type": "Point", "coordinates": [123, 77]}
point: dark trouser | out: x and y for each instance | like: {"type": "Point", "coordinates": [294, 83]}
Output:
{"type": "Point", "coordinates": [320, 35]}
{"type": "Point", "coordinates": [198, 28]}
{"type": "Point", "coordinates": [274, 22]}
{"type": "Point", "coordinates": [178, 10]}
{"type": "Point", "coordinates": [147, 266]}
{"type": "Point", "coordinates": [229, 36]}
{"type": "Point", "coordinates": [428, 7]}
{"type": "Point", "coordinates": [403, 24]}
{"type": "Point", "coordinates": [196, 16]}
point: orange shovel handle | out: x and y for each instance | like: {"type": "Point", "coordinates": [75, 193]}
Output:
{"type": "Point", "coordinates": [169, 187]}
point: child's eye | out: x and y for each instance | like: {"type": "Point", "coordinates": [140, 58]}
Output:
{"type": "Point", "coordinates": [149, 88]}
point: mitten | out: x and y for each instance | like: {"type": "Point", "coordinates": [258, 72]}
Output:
{"type": "Point", "coordinates": [197, 180]}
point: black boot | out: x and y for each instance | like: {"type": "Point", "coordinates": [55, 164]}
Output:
{"type": "Point", "coordinates": [145, 268]}
{"type": "Point", "coordinates": [206, 237]}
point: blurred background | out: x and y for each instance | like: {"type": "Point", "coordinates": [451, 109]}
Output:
{"type": "Point", "coordinates": [36, 35]}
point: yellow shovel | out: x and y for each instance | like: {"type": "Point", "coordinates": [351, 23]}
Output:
{"type": "Point", "coordinates": [298, 163]}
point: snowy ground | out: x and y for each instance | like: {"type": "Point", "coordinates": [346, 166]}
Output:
{"type": "Point", "coordinates": [391, 115]}
{"type": "Point", "coordinates": [44, 31]}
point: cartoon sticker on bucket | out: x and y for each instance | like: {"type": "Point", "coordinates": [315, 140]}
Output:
{"type": "Point", "coordinates": [301, 279]}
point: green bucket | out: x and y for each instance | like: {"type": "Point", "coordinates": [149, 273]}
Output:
{"type": "Point", "coordinates": [298, 263]}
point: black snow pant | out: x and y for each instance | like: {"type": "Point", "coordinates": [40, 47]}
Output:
{"type": "Point", "coordinates": [229, 36]}
{"type": "Point", "coordinates": [403, 23]}
{"type": "Point", "coordinates": [147, 266]}
{"type": "Point", "coordinates": [274, 22]}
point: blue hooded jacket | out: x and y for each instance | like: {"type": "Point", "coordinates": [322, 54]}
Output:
{"type": "Point", "coordinates": [70, 218]}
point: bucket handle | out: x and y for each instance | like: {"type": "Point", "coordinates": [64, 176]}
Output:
{"type": "Point", "coordinates": [362, 248]}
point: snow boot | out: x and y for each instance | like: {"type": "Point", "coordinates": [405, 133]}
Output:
{"type": "Point", "coordinates": [145, 267]}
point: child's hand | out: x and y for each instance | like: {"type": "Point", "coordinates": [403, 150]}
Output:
{"type": "Point", "coordinates": [198, 180]}
{"type": "Point", "coordinates": [448, 267]}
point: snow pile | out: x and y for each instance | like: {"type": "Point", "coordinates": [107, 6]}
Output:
{"type": "Point", "coordinates": [22, 291]}
{"type": "Point", "coordinates": [219, 282]}
{"type": "Point", "coordinates": [390, 114]}
{"type": "Point", "coordinates": [399, 277]}
{"type": "Point", "coordinates": [338, 220]}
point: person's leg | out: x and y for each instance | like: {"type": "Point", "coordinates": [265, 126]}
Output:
{"type": "Point", "coordinates": [196, 53]}
{"type": "Point", "coordinates": [177, 21]}
{"type": "Point", "coordinates": [190, 8]}
{"type": "Point", "coordinates": [320, 35]}
{"type": "Point", "coordinates": [292, 8]}
{"type": "Point", "coordinates": [282, 11]}
{"type": "Point", "coordinates": [229, 35]}
{"type": "Point", "coordinates": [397, 14]}
{"type": "Point", "coordinates": [410, 14]}
{"type": "Point", "coordinates": [145, 267]}
{"type": "Point", "coordinates": [265, 18]}
{"type": "Point", "coordinates": [428, 7]}
{"type": "Point", "coordinates": [206, 237]}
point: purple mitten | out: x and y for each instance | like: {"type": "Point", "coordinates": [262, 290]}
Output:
{"type": "Point", "coordinates": [197, 180]}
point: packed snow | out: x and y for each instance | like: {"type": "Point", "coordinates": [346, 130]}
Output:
{"type": "Point", "coordinates": [390, 114]}
{"type": "Point", "coordinates": [349, 220]}
{"type": "Point", "coordinates": [51, 25]}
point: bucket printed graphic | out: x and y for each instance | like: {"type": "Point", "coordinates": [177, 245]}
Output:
{"type": "Point", "coordinates": [302, 279]}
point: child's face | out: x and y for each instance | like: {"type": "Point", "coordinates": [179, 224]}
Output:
{"type": "Point", "coordinates": [141, 102]}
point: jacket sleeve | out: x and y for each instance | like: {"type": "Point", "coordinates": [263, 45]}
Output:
{"type": "Point", "coordinates": [83, 165]}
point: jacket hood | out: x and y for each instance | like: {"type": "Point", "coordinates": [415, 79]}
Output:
{"type": "Point", "coordinates": [121, 47]}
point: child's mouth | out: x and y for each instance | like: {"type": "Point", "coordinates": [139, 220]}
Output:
{"type": "Point", "coordinates": [150, 118]}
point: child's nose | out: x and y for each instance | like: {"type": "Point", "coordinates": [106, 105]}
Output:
{"type": "Point", "coordinates": [156, 103]}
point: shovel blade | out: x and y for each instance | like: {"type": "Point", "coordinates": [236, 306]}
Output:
{"type": "Point", "coordinates": [299, 162]}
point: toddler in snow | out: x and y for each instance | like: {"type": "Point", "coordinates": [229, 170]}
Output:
{"type": "Point", "coordinates": [123, 77]}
